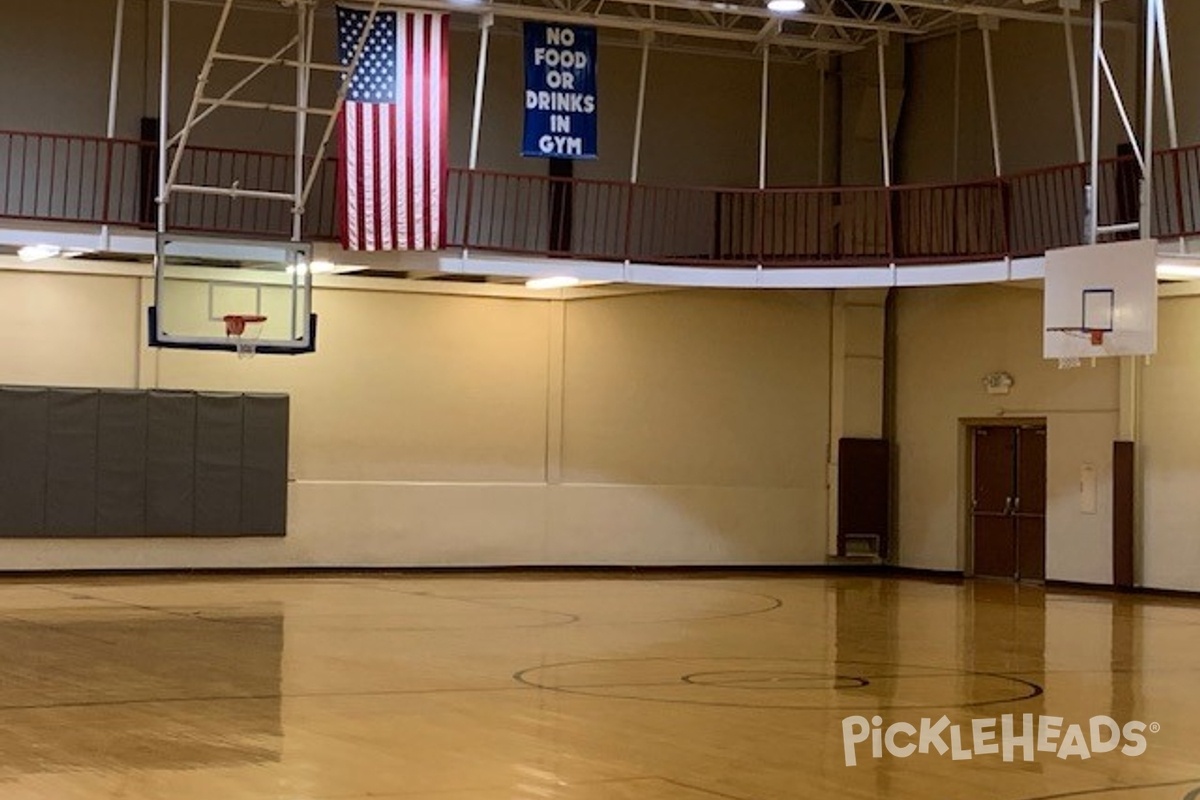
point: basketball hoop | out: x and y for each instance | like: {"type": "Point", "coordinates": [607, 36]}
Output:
{"type": "Point", "coordinates": [1073, 362]}
{"type": "Point", "coordinates": [245, 330]}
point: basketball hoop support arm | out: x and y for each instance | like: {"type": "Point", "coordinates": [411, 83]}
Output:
{"type": "Point", "coordinates": [203, 105]}
{"type": "Point", "coordinates": [343, 90]}
{"type": "Point", "coordinates": [1157, 53]}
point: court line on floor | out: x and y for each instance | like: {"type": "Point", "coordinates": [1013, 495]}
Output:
{"type": "Point", "coordinates": [259, 697]}
{"type": "Point", "coordinates": [1131, 788]}
{"type": "Point", "coordinates": [522, 676]}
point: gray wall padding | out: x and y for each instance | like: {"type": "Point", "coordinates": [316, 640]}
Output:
{"type": "Point", "coordinates": [24, 435]}
{"type": "Point", "coordinates": [219, 457]}
{"type": "Point", "coordinates": [121, 463]}
{"type": "Point", "coordinates": [264, 464]}
{"type": "Point", "coordinates": [71, 463]}
{"type": "Point", "coordinates": [112, 463]}
{"type": "Point", "coordinates": [171, 464]}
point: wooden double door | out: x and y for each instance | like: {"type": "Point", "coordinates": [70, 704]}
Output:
{"type": "Point", "coordinates": [1008, 502]}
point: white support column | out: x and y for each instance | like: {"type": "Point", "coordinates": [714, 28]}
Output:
{"type": "Point", "coordinates": [1164, 56]}
{"type": "Point", "coordinates": [164, 80]}
{"type": "Point", "coordinates": [1093, 195]}
{"type": "Point", "coordinates": [987, 25]}
{"type": "Point", "coordinates": [1146, 210]}
{"type": "Point", "coordinates": [485, 31]}
{"type": "Point", "coordinates": [114, 83]}
{"type": "Point", "coordinates": [1073, 74]}
{"type": "Point", "coordinates": [885, 145]}
{"type": "Point", "coordinates": [762, 119]}
{"type": "Point", "coordinates": [305, 19]}
{"type": "Point", "coordinates": [636, 159]}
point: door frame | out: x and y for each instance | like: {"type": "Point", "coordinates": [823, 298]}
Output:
{"type": "Point", "coordinates": [966, 477]}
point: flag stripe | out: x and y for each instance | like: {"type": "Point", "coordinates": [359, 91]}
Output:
{"type": "Point", "coordinates": [418, 127]}
{"type": "Point", "coordinates": [431, 59]}
{"type": "Point", "coordinates": [392, 130]}
{"type": "Point", "coordinates": [387, 146]}
{"type": "Point", "coordinates": [352, 147]}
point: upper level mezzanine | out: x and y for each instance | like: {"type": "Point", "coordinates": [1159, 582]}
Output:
{"type": "Point", "coordinates": [55, 185]}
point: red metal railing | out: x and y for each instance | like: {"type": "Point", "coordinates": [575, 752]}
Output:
{"type": "Point", "coordinates": [63, 178]}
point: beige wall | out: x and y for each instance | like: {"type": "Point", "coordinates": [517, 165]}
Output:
{"type": "Point", "coordinates": [476, 426]}
{"type": "Point", "coordinates": [1170, 450]}
{"type": "Point", "coordinates": [948, 339]}
{"type": "Point", "coordinates": [701, 115]}
{"type": "Point", "coordinates": [1032, 96]}
{"type": "Point", "coordinates": [697, 105]}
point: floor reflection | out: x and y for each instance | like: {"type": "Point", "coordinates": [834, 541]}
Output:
{"type": "Point", "coordinates": [133, 689]}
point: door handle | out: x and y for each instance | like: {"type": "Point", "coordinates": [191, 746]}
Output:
{"type": "Point", "coordinates": [1008, 503]}
{"type": "Point", "coordinates": [1016, 505]}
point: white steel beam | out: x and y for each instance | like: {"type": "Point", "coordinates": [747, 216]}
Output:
{"type": "Point", "coordinates": [993, 114]}
{"type": "Point", "coordinates": [884, 133]}
{"type": "Point", "coordinates": [1164, 56]}
{"type": "Point", "coordinates": [164, 82]}
{"type": "Point", "coordinates": [636, 160]}
{"type": "Point", "coordinates": [485, 31]}
{"type": "Point", "coordinates": [1073, 76]}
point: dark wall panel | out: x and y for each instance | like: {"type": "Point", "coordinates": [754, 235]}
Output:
{"type": "Point", "coordinates": [121, 464]}
{"type": "Point", "coordinates": [24, 431]}
{"type": "Point", "coordinates": [265, 465]}
{"type": "Point", "coordinates": [218, 465]}
{"type": "Point", "coordinates": [71, 463]}
{"type": "Point", "coordinates": [863, 494]}
{"type": "Point", "coordinates": [171, 465]}
{"type": "Point", "coordinates": [1124, 482]}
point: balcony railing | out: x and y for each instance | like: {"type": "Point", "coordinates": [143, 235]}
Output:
{"type": "Point", "coordinates": [84, 179]}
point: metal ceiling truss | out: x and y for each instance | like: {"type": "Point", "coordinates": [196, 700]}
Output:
{"type": "Point", "coordinates": [827, 28]}
{"type": "Point", "coordinates": [836, 26]}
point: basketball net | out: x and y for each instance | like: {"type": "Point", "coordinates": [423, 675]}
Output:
{"type": "Point", "coordinates": [245, 331]}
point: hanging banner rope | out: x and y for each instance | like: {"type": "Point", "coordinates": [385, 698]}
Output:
{"type": "Point", "coordinates": [560, 91]}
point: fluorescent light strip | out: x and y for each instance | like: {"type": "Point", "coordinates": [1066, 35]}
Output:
{"type": "Point", "coordinates": [552, 282]}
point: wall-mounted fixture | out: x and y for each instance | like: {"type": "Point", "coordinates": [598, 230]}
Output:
{"type": "Point", "coordinates": [998, 383]}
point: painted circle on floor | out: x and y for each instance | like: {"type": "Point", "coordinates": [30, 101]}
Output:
{"type": "Point", "coordinates": [781, 683]}
{"type": "Point", "coordinates": [1170, 790]}
{"type": "Point", "coordinates": [776, 680]}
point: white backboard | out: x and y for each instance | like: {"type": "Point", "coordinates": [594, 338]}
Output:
{"type": "Point", "coordinates": [1111, 288]}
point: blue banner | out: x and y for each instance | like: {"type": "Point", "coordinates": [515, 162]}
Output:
{"type": "Point", "coordinates": [560, 91]}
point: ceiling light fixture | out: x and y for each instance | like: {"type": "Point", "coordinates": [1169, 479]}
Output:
{"type": "Point", "coordinates": [1178, 268]}
{"type": "Point", "coordinates": [552, 282]}
{"type": "Point", "coordinates": [786, 6]}
{"type": "Point", "coordinates": [38, 252]}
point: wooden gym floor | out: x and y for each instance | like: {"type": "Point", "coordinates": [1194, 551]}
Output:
{"type": "Point", "coordinates": [581, 688]}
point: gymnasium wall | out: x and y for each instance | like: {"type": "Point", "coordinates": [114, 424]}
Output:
{"type": "Point", "coordinates": [696, 105]}
{"type": "Point", "coordinates": [1033, 99]}
{"type": "Point", "coordinates": [947, 340]}
{"type": "Point", "coordinates": [485, 425]}
{"type": "Point", "coordinates": [1170, 441]}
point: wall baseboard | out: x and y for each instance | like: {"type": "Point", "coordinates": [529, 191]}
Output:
{"type": "Point", "coordinates": [1109, 589]}
{"type": "Point", "coordinates": [592, 570]}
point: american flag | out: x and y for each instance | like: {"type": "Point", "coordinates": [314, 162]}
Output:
{"type": "Point", "coordinates": [392, 130]}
